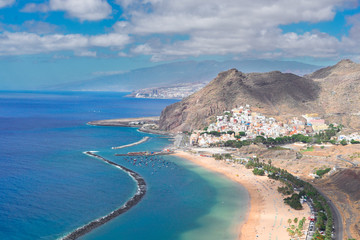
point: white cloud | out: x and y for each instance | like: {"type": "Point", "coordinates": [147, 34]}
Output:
{"type": "Point", "coordinates": [85, 53]}
{"type": "Point", "coordinates": [33, 26]}
{"type": "Point", "coordinates": [30, 43]}
{"type": "Point", "coordinates": [91, 10]}
{"type": "Point", "coordinates": [229, 27]}
{"type": "Point", "coordinates": [110, 40]}
{"type": "Point", "coordinates": [33, 7]}
{"type": "Point", "coordinates": [5, 3]}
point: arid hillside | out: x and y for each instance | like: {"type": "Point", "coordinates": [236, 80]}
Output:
{"type": "Point", "coordinates": [332, 92]}
{"type": "Point", "coordinates": [340, 92]}
{"type": "Point", "coordinates": [273, 93]}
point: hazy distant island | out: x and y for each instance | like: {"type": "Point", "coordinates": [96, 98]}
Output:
{"type": "Point", "coordinates": [178, 91]}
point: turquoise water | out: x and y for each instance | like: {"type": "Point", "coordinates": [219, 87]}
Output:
{"type": "Point", "coordinates": [49, 187]}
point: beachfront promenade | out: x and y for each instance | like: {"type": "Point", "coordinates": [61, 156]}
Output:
{"type": "Point", "coordinates": [141, 191]}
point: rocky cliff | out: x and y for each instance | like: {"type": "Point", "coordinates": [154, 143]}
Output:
{"type": "Point", "coordinates": [333, 92]}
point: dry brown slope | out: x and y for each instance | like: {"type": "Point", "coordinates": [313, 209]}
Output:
{"type": "Point", "coordinates": [340, 92]}
{"type": "Point", "coordinates": [272, 93]}
{"type": "Point", "coordinates": [344, 187]}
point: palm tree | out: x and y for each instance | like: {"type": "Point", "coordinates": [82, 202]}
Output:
{"type": "Point", "coordinates": [289, 221]}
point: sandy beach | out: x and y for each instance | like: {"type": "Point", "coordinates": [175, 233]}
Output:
{"type": "Point", "coordinates": [267, 217]}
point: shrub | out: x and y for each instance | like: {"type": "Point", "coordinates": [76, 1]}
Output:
{"type": "Point", "coordinates": [321, 172]}
{"type": "Point", "coordinates": [258, 171]}
{"type": "Point", "coordinates": [293, 201]}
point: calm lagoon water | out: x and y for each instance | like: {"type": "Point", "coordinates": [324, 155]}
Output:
{"type": "Point", "coordinates": [49, 187]}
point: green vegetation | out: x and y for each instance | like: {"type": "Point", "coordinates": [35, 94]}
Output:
{"type": "Point", "coordinates": [222, 156]}
{"type": "Point", "coordinates": [242, 134]}
{"type": "Point", "coordinates": [291, 182]}
{"type": "Point", "coordinates": [286, 190]}
{"type": "Point", "coordinates": [215, 133]}
{"type": "Point", "coordinates": [258, 171]}
{"type": "Point", "coordinates": [294, 201]}
{"type": "Point", "coordinates": [321, 172]}
{"type": "Point", "coordinates": [294, 230]}
{"type": "Point", "coordinates": [343, 142]}
{"type": "Point", "coordinates": [354, 142]}
{"type": "Point", "coordinates": [308, 149]}
{"type": "Point", "coordinates": [279, 148]}
{"type": "Point", "coordinates": [355, 155]}
{"type": "Point", "coordinates": [218, 156]}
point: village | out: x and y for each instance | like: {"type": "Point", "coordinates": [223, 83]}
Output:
{"type": "Point", "coordinates": [244, 124]}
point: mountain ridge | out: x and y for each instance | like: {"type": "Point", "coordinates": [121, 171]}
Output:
{"type": "Point", "coordinates": [273, 93]}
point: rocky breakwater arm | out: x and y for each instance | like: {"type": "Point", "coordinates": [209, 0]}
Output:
{"type": "Point", "coordinates": [144, 139]}
{"type": "Point", "coordinates": [140, 193]}
{"type": "Point", "coordinates": [126, 122]}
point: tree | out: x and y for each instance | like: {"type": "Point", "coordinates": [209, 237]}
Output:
{"type": "Point", "coordinates": [269, 162]}
{"type": "Point", "coordinates": [258, 171]}
{"type": "Point", "coordinates": [289, 221]}
{"type": "Point", "coordinates": [343, 142]}
{"type": "Point", "coordinates": [295, 220]}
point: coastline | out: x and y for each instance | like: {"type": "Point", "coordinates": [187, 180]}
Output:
{"type": "Point", "coordinates": [267, 214]}
{"type": "Point", "coordinates": [134, 200]}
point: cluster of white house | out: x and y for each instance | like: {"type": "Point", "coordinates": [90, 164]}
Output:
{"type": "Point", "coordinates": [253, 124]}
{"type": "Point", "coordinates": [354, 136]}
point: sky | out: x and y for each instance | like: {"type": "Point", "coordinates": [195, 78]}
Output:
{"type": "Point", "coordinates": [49, 42]}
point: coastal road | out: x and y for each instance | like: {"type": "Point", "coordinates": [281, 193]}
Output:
{"type": "Point", "coordinates": [343, 159]}
{"type": "Point", "coordinates": [338, 224]}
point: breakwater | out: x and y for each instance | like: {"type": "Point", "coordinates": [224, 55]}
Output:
{"type": "Point", "coordinates": [141, 191]}
{"type": "Point", "coordinates": [145, 153]}
{"type": "Point", "coordinates": [144, 139]}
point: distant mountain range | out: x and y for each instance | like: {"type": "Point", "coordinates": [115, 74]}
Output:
{"type": "Point", "coordinates": [171, 74]}
{"type": "Point", "coordinates": [333, 92]}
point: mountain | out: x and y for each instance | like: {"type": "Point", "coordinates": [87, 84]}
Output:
{"type": "Point", "coordinates": [333, 92]}
{"type": "Point", "coordinates": [340, 92]}
{"type": "Point", "coordinates": [272, 93]}
{"type": "Point", "coordinates": [171, 74]}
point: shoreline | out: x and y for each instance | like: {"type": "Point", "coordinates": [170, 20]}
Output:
{"type": "Point", "coordinates": [251, 220]}
{"type": "Point", "coordinates": [144, 139]}
{"type": "Point", "coordinates": [267, 215]}
{"type": "Point", "coordinates": [134, 200]}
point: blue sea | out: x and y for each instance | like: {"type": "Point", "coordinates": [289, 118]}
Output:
{"type": "Point", "coordinates": [48, 187]}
